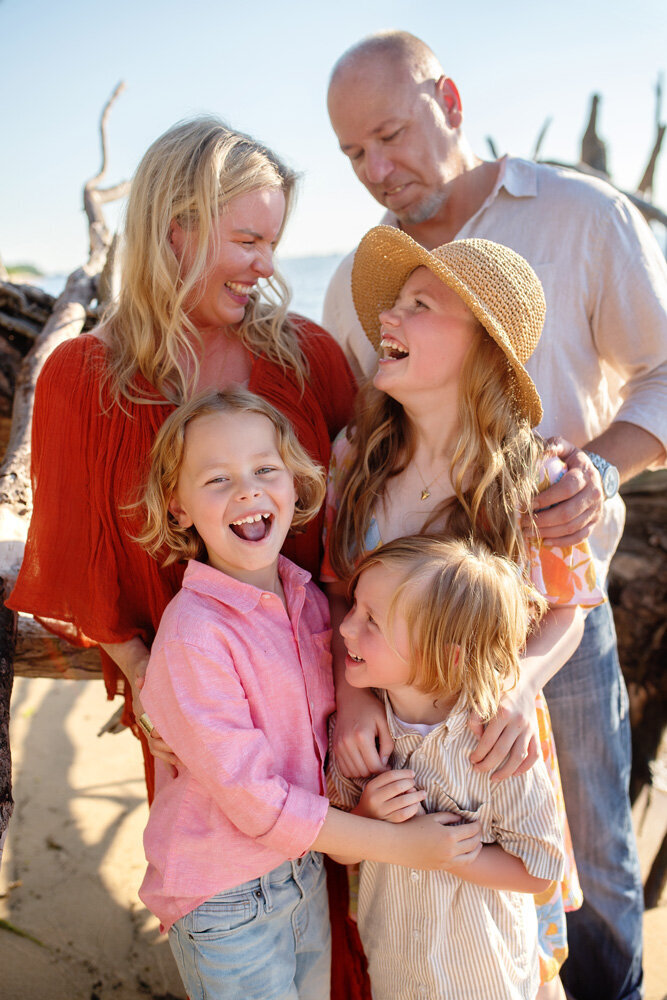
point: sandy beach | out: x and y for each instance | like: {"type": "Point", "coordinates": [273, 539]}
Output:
{"type": "Point", "coordinates": [73, 860]}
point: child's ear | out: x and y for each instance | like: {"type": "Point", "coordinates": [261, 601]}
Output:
{"type": "Point", "coordinates": [181, 515]}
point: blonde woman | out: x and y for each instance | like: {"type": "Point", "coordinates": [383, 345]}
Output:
{"type": "Point", "coordinates": [442, 443]}
{"type": "Point", "coordinates": [200, 307]}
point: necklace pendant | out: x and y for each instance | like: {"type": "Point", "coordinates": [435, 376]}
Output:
{"type": "Point", "coordinates": [425, 494]}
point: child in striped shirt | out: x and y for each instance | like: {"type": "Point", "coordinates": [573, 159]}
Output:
{"type": "Point", "coordinates": [437, 627]}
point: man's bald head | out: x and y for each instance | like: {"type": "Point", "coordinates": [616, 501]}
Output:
{"type": "Point", "coordinates": [392, 49]}
{"type": "Point", "coordinates": [398, 120]}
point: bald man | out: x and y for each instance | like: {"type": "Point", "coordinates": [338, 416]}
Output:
{"type": "Point", "coordinates": [601, 369]}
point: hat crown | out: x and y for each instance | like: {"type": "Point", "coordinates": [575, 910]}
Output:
{"type": "Point", "coordinates": [500, 287]}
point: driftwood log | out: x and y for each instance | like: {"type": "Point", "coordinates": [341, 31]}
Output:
{"type": "Point", "coordinates": [65, 318]}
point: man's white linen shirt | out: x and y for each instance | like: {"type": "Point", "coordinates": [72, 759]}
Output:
{"type": "Point", "coordinates": [603, 353]}
{"type": "Point", "coordinates": [428, 933]}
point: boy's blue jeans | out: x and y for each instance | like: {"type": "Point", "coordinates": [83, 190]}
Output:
{"type": "Point", "coordinates": [588, 704]}
{"type": "Point", "coordinates": [267, 939]}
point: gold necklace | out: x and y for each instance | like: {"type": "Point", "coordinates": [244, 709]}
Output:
{"type": "Point", "coordinates": [426, 491]}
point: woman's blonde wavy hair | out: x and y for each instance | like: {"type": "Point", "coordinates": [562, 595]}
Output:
{"type": "Point", "coordinates": [494, 470]}
{"type": "Point", "coordinates": [162, 532]}
{"type": "Point", "coordinates": [468, 613]}
{"type": "Point", "coordinates": [189, 175]}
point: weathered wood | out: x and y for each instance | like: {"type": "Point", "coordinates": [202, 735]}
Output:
{"type": "Point", "coordinates": [7, 640]}
{"type": "Point", "coordinates": [40, 653]}
{"type": "Point", "coordinates": [28, 301]}
{"type": "Point", "coordinates": [638, 595]}
{"type": "Point", "coordinates": [645, 186]}
{"type": "Point", "coordinates": [17, 324]}
{"type": "Point", "coordinates": [657, 877]}
{"type": "Point", "coordinates": [541, 137]}
{"type": "Point", "coordinates": [66, 321]}
{"type": "Point", "coordinates": [593, 149]}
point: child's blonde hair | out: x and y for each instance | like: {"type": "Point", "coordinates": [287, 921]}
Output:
{"type": "Point", "coordinates": [162, 529]}
{"type": "Point", "coordinates": [468, 614]}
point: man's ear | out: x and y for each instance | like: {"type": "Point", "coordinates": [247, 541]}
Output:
{"type": "Point", "coordinates": [449, 100]}
{"type": "Point", "coordinates": [181, 515]}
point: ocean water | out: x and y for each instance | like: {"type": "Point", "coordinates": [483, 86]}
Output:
{"type": "Point", "coordinates": [307, 277]}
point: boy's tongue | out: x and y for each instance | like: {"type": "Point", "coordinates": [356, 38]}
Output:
{"type": "Point", "coordinates": [251, 531]}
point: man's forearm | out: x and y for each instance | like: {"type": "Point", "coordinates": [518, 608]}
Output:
{"type": "Point", "coordinates": [629, 447]}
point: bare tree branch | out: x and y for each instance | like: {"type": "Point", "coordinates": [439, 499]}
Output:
{"type": "Point", "coordinates": [645, 186]}
{"type": "Point", "coordinates": [593, 149]}
{"type": "Point", "coordinates": [93, 198]}
{"type": "Point", "coordinates": [540, 138]}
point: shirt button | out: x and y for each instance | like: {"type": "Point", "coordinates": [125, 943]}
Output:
{"type": "Point", "coordinates": [414, 875]}
{"type": "Point", "coordinates": [416, 935]}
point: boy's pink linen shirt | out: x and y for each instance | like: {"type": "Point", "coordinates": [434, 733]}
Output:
{"type": "Point", "coordinates": [241, 690]}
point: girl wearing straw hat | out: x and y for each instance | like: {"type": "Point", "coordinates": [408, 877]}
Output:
{"type": "Point", "coordinates": [442, 443]}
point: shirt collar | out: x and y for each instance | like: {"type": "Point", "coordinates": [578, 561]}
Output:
{"type": "Point", "coordinates": [517, 177]}
{"type": "Point", "coordinates": [455, 722]}
{"type": "Point", "coordinates": [243, 597]}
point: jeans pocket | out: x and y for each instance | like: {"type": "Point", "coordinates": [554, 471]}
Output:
{"type": "Point", "coordinates": [317, 859]}
{"type": "Point", "coordinates": [223, 915]}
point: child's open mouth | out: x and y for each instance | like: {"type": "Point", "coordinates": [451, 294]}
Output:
{"type": "Point", "coordinates": [253, 528]}
{"type": "Point", "coordinates": [392, 350]}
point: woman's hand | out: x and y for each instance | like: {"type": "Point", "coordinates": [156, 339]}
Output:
{"type": "Point", "coordinates": [509, 743]}
{"type": "Point", "coordinates": [393, 796]}
{"type": "Point", "coordinates": [132, 658]}
{"type": "Point", "coordinates": [361, 728]}
{"type": "Point", "coordinates": [156, 744]}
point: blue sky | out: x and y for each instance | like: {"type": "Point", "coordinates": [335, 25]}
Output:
{"type": "Point", "coordinates": [264, 68]}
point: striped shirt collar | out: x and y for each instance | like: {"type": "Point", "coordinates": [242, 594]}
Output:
{"type": "Point", "coordinates": [451, 727]}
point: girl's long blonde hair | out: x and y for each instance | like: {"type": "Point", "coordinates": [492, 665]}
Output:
{"type": "Point", "coordinates": [468, 613]}
{"type": "Point", "coordinates": [494, 470]}
{"type": "Point", "coordinates": [189, 175]}
{"type": "Point", "coordinates": [162, 535]}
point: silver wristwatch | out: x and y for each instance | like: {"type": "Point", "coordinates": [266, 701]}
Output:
{"type": "Point", "coordinates": [608, 474]}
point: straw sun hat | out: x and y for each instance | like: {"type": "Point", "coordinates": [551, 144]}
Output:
{"type": "Point", "coordinates": [499, 287]}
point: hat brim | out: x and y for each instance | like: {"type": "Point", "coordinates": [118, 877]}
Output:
{"type": "Point", "coordinates": [384, 260]}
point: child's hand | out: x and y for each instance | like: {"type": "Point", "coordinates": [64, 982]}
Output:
{"type": "Point", "coordinates": [392, 796]}
{"type": "Point", "coordinates": [440, 840]}
{"type": "Point", "coordinates": [362, 741]}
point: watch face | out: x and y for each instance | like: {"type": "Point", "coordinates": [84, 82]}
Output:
{"type": "Point", "coordinates": [610, 481]}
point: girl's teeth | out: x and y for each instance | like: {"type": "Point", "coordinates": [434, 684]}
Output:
{"type": "Point", "coordinates": [392, 348]}
{"type": "Point", "coordinates": [238, 288]}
